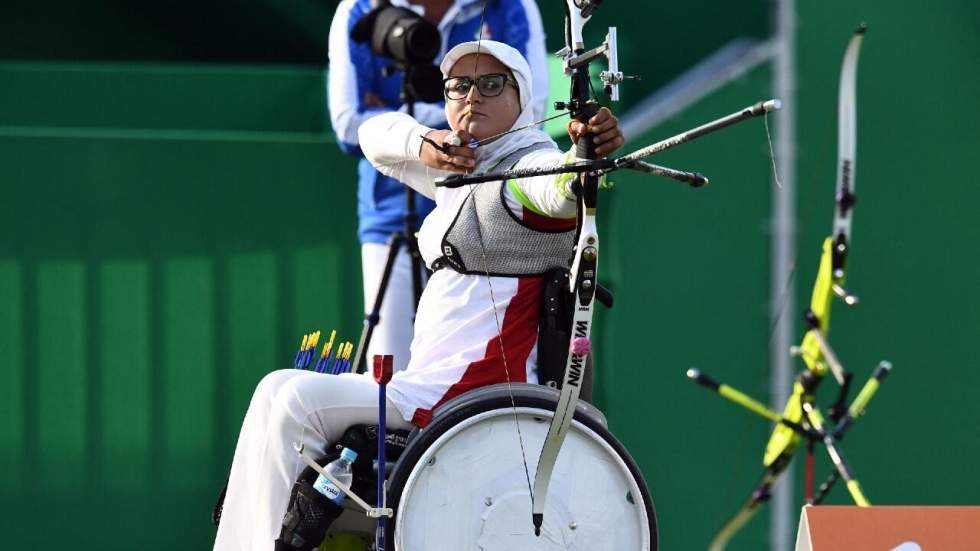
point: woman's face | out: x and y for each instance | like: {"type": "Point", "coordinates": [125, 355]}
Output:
{"type": "Point", "coordinates": [479, 115]}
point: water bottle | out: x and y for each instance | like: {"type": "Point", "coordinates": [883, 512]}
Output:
{"type": "Point", "coordinates": [341, 469]}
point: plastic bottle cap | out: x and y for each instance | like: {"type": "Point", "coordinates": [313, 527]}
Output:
{"type": "Point", "coordinates": [348, 454]}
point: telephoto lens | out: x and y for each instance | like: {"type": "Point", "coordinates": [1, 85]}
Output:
{"type": "Point", "coordinates": [400, 34]}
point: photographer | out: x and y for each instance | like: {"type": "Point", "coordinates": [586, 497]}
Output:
{"type": "Point", "coordinates": [358, 88]}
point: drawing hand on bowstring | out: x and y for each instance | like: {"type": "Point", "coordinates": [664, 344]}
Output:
{"type": "Point", "coordinates": [445, 150]}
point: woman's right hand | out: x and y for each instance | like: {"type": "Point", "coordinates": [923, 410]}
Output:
{"type": "Point", "coordinates": [459, 159]}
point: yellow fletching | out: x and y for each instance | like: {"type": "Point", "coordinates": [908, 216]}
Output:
{"type": "Point", "coordinates": [347, 352]}
{"type": "Point", "coordinates": [315, 338]}
{"type": "Point", "coordinates": [328, 345]}
{"type": "Point", "coordinates": [302, 345]}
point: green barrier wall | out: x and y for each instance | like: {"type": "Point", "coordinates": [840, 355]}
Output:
{"type": "Point", "coordinates": [168, 232]}
{"type": "Point", "coordinates": [163, 96]}
{"type": "Point", "coordinates": [149, 278]}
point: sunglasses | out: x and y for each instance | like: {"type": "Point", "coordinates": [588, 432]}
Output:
{"type": "Point", "coordinates": [489, 85]}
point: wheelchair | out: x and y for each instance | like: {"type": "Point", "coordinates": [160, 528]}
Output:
{"type": "Point", "coordinates": [460, 485]}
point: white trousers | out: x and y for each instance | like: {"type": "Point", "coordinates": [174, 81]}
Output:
{"type": "Point", "coordinates": [393, 334]}
{"type": "Point", "coordinates": [288, 406]}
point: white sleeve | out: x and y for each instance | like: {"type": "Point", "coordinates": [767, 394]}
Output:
{"type": "Point", "coordinates": [547, 195]}
{"type": "Point", "coordinates": [343, 101]}
{"type": "Point", "coordinates": [391, 142]}
{"type": "Point", "coordinates": [537, 58]}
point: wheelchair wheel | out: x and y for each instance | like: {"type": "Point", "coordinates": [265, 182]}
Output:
{"type": "Point", "coordinates": [460, 485]}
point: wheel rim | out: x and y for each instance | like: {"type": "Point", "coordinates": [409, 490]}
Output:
{"type": "Point", "coordinates": [468, 490]}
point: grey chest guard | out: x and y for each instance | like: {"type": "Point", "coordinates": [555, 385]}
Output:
{"type": "Point", "coordinates": [486, 238]}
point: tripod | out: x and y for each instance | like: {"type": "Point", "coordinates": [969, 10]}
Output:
{"type": "Point", "coordinates": [405, 237]}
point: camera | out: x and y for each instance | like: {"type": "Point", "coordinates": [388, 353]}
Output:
{"type": "Point", "coordinates": [410, 41]}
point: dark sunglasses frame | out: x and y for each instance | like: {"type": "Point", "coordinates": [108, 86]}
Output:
{"type": "Point", "coordinates": [477, 81]}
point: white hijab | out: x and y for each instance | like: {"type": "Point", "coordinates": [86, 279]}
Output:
{"type": "Point", "coordinates": [489, 154]}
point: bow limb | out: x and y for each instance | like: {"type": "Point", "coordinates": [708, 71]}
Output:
{"type": "Point", "coordinates": [757, 498]}
{"type": "Point", "coordinates": [832, 271]}
{"type": "Point", "coordinates": [779, 452]}
{"type": "Point", "coordinates": [582, 282]}
{"type": "Point", "coordinates": [782, 445]}
{"type": "Point", "coordinates": [847, 137]}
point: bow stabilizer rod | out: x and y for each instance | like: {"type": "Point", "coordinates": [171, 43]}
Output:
{"type": "Point", "coordinates": [756, 110]}
{"type": "Point", "coordinates": [693, 179]}
{"type": "Point", "coordinates": [631, 161]}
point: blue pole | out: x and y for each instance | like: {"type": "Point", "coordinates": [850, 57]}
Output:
{"type": "Point", "coordinates": [379, 539]}
{"type": "Point", "coordinates": [382, 374]}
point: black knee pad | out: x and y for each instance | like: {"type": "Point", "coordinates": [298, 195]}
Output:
{"type": "Point", "coordinates": [308, 516]}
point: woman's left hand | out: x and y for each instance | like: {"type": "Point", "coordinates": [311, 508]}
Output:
{"type": "Point", "coordinates": [604, 126]}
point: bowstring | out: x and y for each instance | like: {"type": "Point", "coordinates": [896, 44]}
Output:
{"type": "Point", "coordinates": [500, 340]}
{"type": "Point", "coordinates": [489, 279]}
{"type": "Point", "coordinates": [805, 218]}
{"type": "Point", "coordinates": [772, 157]}
{"type": "Point", "coordinates": [787, 287]}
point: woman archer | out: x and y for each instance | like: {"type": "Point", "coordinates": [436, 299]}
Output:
{"type": "Point", "coordinates": [477, 323]}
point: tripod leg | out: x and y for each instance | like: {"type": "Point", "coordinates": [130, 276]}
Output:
{"type": "Point", "coordinates": [412, 245]}
{"type": "Point", "coordinates": [372, 318]}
